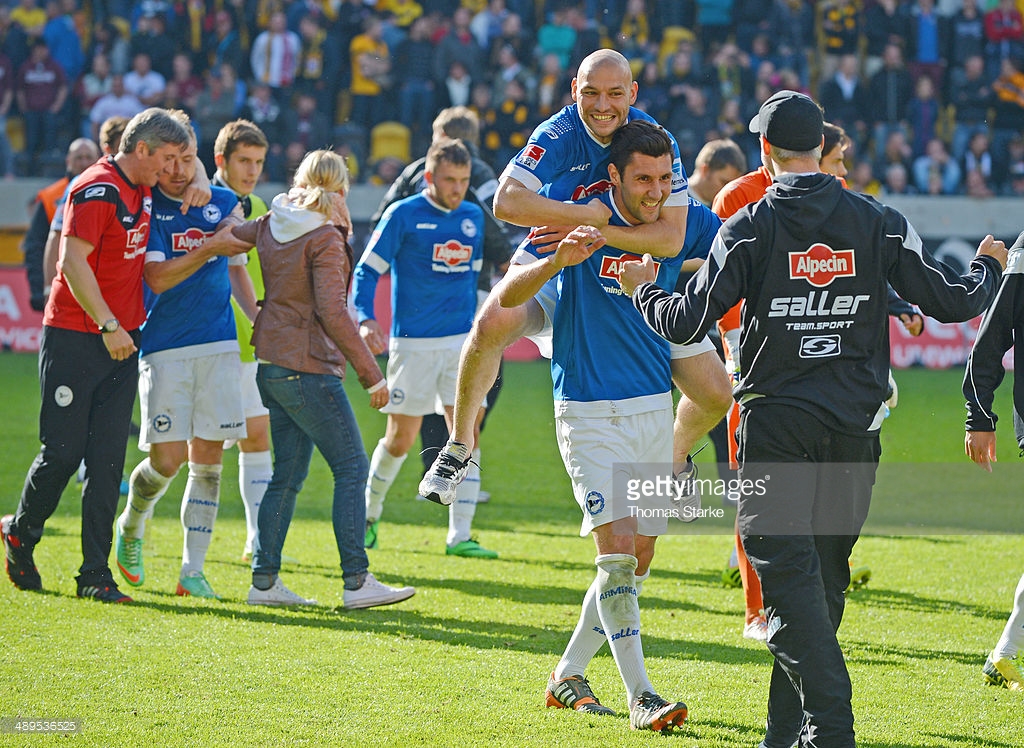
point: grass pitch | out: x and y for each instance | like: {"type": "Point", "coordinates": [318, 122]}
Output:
{"type": "Point", "coordinates": [465, 661]}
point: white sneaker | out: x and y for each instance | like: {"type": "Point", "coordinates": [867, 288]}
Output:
{"type": "Point", "coordinates": [756, 630]}
{"type": "Point", "coordinates": [277, 595]}
{"type": "Point", "coordinates": [447, 472]}
{"type": "Point", "coordinates": [374, 593]}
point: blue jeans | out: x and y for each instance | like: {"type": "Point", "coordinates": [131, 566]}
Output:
{"type": "Point", "coordinates": [307, 410]}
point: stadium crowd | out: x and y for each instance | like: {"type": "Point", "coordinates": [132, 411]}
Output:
{"type": "Point", "coordinates": [931, 92]}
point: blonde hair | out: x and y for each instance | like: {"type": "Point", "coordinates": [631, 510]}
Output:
{"type": "Point", "coordinates": [319, 174]}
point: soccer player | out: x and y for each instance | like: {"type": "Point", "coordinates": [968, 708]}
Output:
{"type": "Point", "coordinates": [88, 356]}
{"type": "Point", "coordinates": [613, 411]}
{"type": "Point", "coordinates": [188, 371]}
{"type": "Point", "coordinates": [240, 151]}
{"type": "Point", "coordinates": [1002, 326]}
{"type": "Point", "coordinates": [814, 385]}
{"type": "Point", "coordinates": [433, 245]}
{"type": "Point", "coordinates": [566, 158]}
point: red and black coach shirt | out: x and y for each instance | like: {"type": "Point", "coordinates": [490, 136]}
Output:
{"type": "Point", "coordinates": [111, 213]}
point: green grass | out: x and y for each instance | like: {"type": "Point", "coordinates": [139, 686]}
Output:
{"type": "Point", "coordinates": [465, 661]}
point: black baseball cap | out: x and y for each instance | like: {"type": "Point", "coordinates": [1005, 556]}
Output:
{"type": "Point", "coordinates": [790, 120]}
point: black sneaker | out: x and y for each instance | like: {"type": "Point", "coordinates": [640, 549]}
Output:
{"type": "Point", "coordinates": [18, 559]}
{"type": "Point", "coordinates": [651, 712]}
{"type": "Point", "coordinates": [105, 592]}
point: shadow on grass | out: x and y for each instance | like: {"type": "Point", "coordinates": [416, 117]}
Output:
{"type": "Point", "coordinates": [965, 740]}
{"type": "Point", "coordinates": [880, 597]}
{"type": "Point", "coordinates": [889, 656]}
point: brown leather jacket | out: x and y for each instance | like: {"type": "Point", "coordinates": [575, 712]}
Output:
{"type": "Point", "coordinates": [304, 322]}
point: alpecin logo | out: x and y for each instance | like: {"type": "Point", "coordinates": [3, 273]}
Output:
{"type": "Point", "coordinates": [452, 253]}
{"type": "Point", "coordinates": [189, 240]}
{"type": "Point", "coordinates": [597, 188]}
{"type": "Point", "coordinates": [612, 266]}
{"type": "Point", "coordinates": [820, 265]}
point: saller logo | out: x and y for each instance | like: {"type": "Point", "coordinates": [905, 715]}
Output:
{"type": "Point", "coordinates": [611, 266]}
{"type": "Point", "coordinates": [820, 346]}
{"type": "Point", "coordinates": [452, 253]}
{"type": "Point", "coordinates": [188, 240]}
{"type": "Point", "coordinates": [820, 265]}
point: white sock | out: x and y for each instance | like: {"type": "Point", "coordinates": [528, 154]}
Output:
{"type": "Point", "coordinates": [620, 617]}
{"type": "Point", "coordinates": [255, 470]}
{"type": "Point", "coordinates": [588, 637]}
{"type": "Point", "coordinates": [1013, 635]}
{"type": "Point", "coordinates": [460, 513]}
{"type": "Point", "coordinates": [384, 468]}
{"type": "Point", "coordinates": [198, 514]}
{"type": "Point", "coordinates": [145, 487]}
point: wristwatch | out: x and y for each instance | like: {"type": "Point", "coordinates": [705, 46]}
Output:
{"type": "Point", "coordinates": [111, 325]}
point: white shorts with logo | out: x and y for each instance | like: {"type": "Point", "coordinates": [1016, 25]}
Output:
{"type": "Point", "coordinates": [252, 403]}
{"type": "Point", "coordinates": [182, 398]}
{"type": "Point", "coordinates": [421, 374]}
{"type": "Point", "coordinates": [602, 453]}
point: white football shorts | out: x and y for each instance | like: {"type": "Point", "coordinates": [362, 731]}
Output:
{"type": "Point", "coordinates": [421, 374]}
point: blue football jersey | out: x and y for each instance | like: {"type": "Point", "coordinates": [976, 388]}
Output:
{"type": "Point", "coordinates": [434, 256]}
{"type": "Point", "coordinates": [562, 160]}
{"type": "Point", "coordinates": [197, 310]}
{"type": "Point", "coordinates": [602, 348]}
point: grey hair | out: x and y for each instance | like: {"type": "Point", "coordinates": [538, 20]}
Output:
{"type": "Point", "coordinates": [155, 127]}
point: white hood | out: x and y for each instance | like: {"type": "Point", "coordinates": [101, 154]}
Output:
{"type": "Point", "coordinates": [288, 221]}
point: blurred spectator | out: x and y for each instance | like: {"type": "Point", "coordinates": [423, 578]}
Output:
{"type": "Point", "coordinates": [143, 82]}
{"type": "Point", "coordinates": [307, 125]}
{"type": "Point", "coordinates": [263, 110]}
{"type": "Point", "coordinates": [414, 67]}
{"type": "Point", "coordinates": [1014, 183]}
{"type": "Point", "coordinates": [94, 84]}
{"type": "Point", "coordinates": [589, 36]}
{"type": "Point", "coordinates": [715, 20]}
{"type": "Point", "coordinates": [223, 45]}
{"type": "Point", "coordinates": [486, 25]}
{"type": "Point", "coordinates": [214, 108]}
{"type": "Point", "coordinates": [975, 185]}
{"type": "Point", "coordinates": [41, 90]}
{"type": "Point", "coordinates": [457, 88]}
{"type": "Point", "coordinates": [792, 26]}
{"type": "Point", "coordinates": [512, 35]}
{"type": "Point", "coordinates": [188, 22]}
{"type": "Point", "coordinates": [1009, 108]}
{"type": "Point", "coordinates": [459, 44]}
{"type": "Point", "coordinates": [107, 40]}
{"type": "Point", "coordinates": [371, 76]}
{"type": "Point", "coordinates": [506, 133]}
{"type": "Point", "coordinates": [936, 172]}
{"type": "Point", "coordinates": [691, 123]}
{"type": "Point", "coordinates": [117, 103]}
{"type": "Point", "coordinates": [319, 65]}
{"type": "Point", "coordinates": [928, 42]}
{"type": "Point", "coordinates": [884, 24]}
{"type": "Point", "coordinates": [553, 86]}
{"type": "Point", "coordinates": [966, 34]}
{"type": "Point", "coordinates": [970, 94]}
{"type": "Point", "coordinates": [151, 38]}
{"type": "Point", "coordinates": [557, 37]}
{"type": "Point", "coordinates": [678, 13]}
{"type": "Point", "coordinates": [62, 37]}
{"type": "Point", "coordinates": [922, 114]}
{"type": "Point", "coordinates": [839, 34]}
{"type": "Point", "coordinates": [753, 19]}
{"type": "Point", "coordinates": [7, 82]}
{"type": "Point", "coordinates": [1004, 29]}
{"type": "Point", "coordinates": [509, 69]}
{"type": "Point", "coordinates": [717, 163]}
{"type": "Point", "coordinates": [274, 58]}
{"type": "Point", "coordinates": [978, 159]}
{"type": "Point", "coordinates": [403, 12]}
{"type": "Point", "coordinates": [386, 171]}
{"type": "Point", "coordinates": [862, 179]}
{"type": "Point", "coordinates": [234, 85]}
{"type": "Point", "coordinates": [187, 83]}
{"type": "Point", "coordinates": [634, 30]}
{"type": "Point", "coordinates": [844, 97]}
{"type": "Point", "coordinates": [730, 72]}
{"type": "Point", "coordinates": [895, 150]}
{"type": "Point", "coordinates": [652, 96]}
{"type": "Point", "coordinates": [30, 17]}
{"type": "Point", "coordinates": [890, 90]}
{"type": "Point", "coordinates": [896, 181]}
